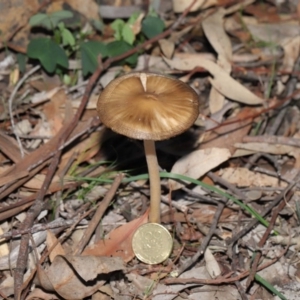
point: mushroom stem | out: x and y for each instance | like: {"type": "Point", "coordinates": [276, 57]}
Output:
{"type": "Point", "coordinates": [155, 190]}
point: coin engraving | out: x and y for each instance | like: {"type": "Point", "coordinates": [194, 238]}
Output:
{"type": "Point", "coordinates": [152, 243]}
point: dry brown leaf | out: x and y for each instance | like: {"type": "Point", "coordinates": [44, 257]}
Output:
{"type": "Point", "coordinates": [40, 294]}
{"type": "Point", "coordinates": [4, 250]}
{"type": "Point", "coordinates": [167, 47]}
{"type": "Point", "coordinates": [68, 275]}
{"type": "Point", "coordinates": [291, 49]}
{"type": "Point", "coordinates": [23, 127]}
{"type": "Point", "coordinates": [43, 96]}
{"type": "Point", "coordinates": [275, 33]}
{"type": "Point", "coordinates": [118, 242]}
{"type": "Point", "coordinates": [7, 287]}
{"type": "Point", "coordinates": [90, 9]}
{"type": "Point", "coordinates": [284, 34]}
{"type": "Point", "coordinates": [271, 149]}
{"type": "Point", "coordinates": [204, 214]}
{"type": "Point", "coordinates": [92, 103]}
{"type": "Point", "coordinates": [210, 293]}
{"type": "Point", "coordinates": [180, 5]}
{"type": "Point", "coordinates": [212, 265]}
{"type": "Point", "coordinates": [137, 25]}
{"type": "Point", "coordinates": [188, 61]}
{"type": "Point", "coordinates": [4, 215]}
{"type": "Point", "coordinates": [264, 13]}
{"type": "Point", "coordinates": [197, 163]}
{"type": "Point", "coordinates": [53, 113]}
{"type": "Point", "coordinates": [36, 182]}
{"type": "Point", "coordinates": [14, 14]}
{"type": "Point", "coordinates": [216, 100]}
{"type": "Point", "coordinates": [51, 240]}
{"type": "Point", "coordinates": [12, 177]}
{"type": "Point", "coordinates": [243, 177]}
{"type": "Point", "coordinates": [244, 57]}
{"type": "Point", "coordinates": [223, 82]}
{"type": "Point", "coordinates": [10, 147]}
{"type": "Point", "coordinates": [214, 30]}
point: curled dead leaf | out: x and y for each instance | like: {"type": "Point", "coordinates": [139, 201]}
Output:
{"type": "Point", "coordinates": [222, 81]}
{"type": "Point", "coordinates": [76, 277]}
{"type": "Point", "coordinates": [118, 242]}
{"type": "Point", "coordinates": [197, 163]}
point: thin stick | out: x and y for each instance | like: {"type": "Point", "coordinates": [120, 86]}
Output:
{"type": "Point", "coordinates": [188, 263]}
{"type": "Point", "coordinates": [281, 140]}
{"type": "Point", "coordinates": [10, 105]}
{"type": "Point", "coordinates": [263, 241]}
{"type": "Point", "coordinates": [98, 214]}
{"type": "Point", "coordinates": [284, 194]}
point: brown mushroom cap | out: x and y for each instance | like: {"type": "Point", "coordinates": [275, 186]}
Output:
{"type": "Point", "coordinates": [148, 106]}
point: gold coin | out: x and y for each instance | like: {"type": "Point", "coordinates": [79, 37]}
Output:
{"type": "Point", "coordinates": [152, 243]}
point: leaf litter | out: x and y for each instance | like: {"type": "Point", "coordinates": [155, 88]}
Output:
{"type": "Point", "coordinates": [242, 58]}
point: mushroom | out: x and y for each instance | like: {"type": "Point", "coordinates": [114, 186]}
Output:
{"type": "Point", "coordinates": [149, 107]}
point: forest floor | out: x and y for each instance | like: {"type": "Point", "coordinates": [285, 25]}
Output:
{"type": "Point", "coordinates": [74, 193]}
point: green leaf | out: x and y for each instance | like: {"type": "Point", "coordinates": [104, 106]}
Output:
{"type": "Point", "coordinates": [89, 55]}
{"type": "Point", "coordinates": [50, 21]}
{"type": "Point", "coordinates": [152, 12]}
{"type": "Point", "coordinates": [119, 47]}
{"type": "Point", "coordinates": [117, 25]}
{"type": "Point", "coordinates": [152, 26]}
{"type": "Point", "coordinates": [67, 79]}
{"type": "Point", "coordinates": [133, 18]}
{"type": "Point", "coordinates": [58, 16]}
{"type": "Point", "coordinates": [48, 53]}
{"type": "Point", "coordinates": [99, 25]}
{"type": "Point", "coordinates": [127, 34]}
{"type": "Point", "coordinates": [38, 19]}
{"type": "Point", "coordinates": [66, 35]}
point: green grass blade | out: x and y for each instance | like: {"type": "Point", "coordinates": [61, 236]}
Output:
{"type": "Point", "coordinates": [269, 286]}
{"type": "Point", "coordinates": [253, 212]}
{"type": "Point", "coordinates": [247, 208]}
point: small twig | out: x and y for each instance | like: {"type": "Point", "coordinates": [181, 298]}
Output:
{"type": "Point", "coordinates": [267, 210]}
{"type": "Point", "coordinates": [28, 137]}
{"type": "Point", "coordinates": [40, 227]}
{"type": "Point", "coordinates": [224, 279]}
{"type": "Point", "coordinates": [98, 214]}
{"type": "Point", "coordinates": [188, 263]}
{"type": "Point", "coordinates": [197, 197]}
{"type": "Point", "coordinates": [278, 121]}
{"type": "Point", "coordinates": [226, 184]}
{"type": "Point", "coordinates": [10, 105]}
{"type": "Point", "coordinates": [281, 140]}
{"type": "Point", "coordinates": [263, 241]}
{"type": "Point", "coordinates": [291, 85]}
{"type": "Point", "coordinates": [237, 283]}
